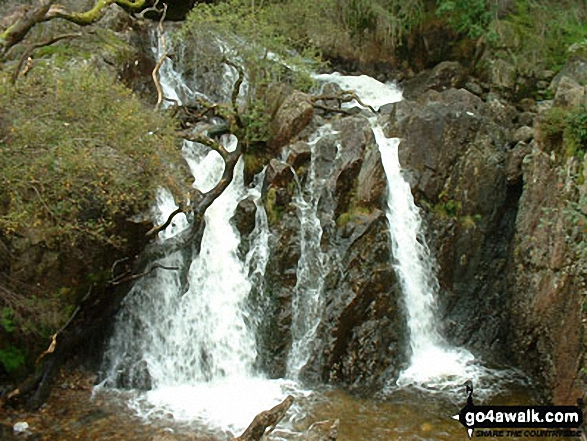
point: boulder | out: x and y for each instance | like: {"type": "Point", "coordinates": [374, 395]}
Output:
{"type": "Point", "coordinates": [523, 134]}
{"type": "Point", "coordinates": [569, 93]}
{"type": "Point", "coordinates": [291, 118]}
{"type": "Point", "coordinates": [445, 75]}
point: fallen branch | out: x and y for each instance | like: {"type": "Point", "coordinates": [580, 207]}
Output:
{"type": "Point", "coordinates": [331, 109]}
{"type": "Point", "coordinates": [265, 422]}
{"type": "Point", "coordinates": [344, 96]}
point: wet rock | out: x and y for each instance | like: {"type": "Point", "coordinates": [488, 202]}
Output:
{"type": "Point", "coordinates": [291, 118]}
{"type": "Point", "coordinates": [278, 173]}
{"type": "Point", "coordinates": [364, 331]}
{"type": "Point", "coordinates": [299, 154]}
{"type": "Point", "coordinates": [244, 221]}
{"type": "Point", "coordinates": [547, 279]}
{"type": "Point", "coordinates": [453, 150]}
{"type": "Point", "coordinates": [371, 188]}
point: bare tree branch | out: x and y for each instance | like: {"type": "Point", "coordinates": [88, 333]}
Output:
{"type": "Point", "coordinates": [93, 15]}
{"type": "Point", "coordinates": [205, 140]}
{"type": "Point", "coordinates": [46, 10]}
{"type": "Point", "coordinates": [236, 90]}
{"type": "Point", "coordinates": [19, 30]}
{"type": "Point", "coordinates": [128, 277]}
{"type": "Point", "coordinates": [155, 72]}
{"type": "Point", "coordinates": [344, 96]}
{"type": "Point", "coordinates": [156, 229]}
{"type": "Point", "coordinates": [28, 53]}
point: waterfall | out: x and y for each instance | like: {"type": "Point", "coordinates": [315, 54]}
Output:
{"type": "Point", "coordinates": [192, 342]}
{"type": "Point", "coordinates": [312, 267]}
{"type": "Point", "coordinates": [434, 364]}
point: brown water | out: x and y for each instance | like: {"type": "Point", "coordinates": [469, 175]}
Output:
{"type": "Point", "coordinates": [73, 412]}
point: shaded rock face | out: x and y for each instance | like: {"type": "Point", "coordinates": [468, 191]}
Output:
{"type": "Point", "coordinates": [362, 330]}
{"type": "Point", "coordinates": [547, 278]}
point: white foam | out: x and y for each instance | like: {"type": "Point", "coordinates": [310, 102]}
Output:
{"type": "Point", "coordinates": [372, 92]}
{"type": "Point", "coordinates": [228, 404]}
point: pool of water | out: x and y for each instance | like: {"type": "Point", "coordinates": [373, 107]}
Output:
{"type": "Point", "coordinates": [78, 411]}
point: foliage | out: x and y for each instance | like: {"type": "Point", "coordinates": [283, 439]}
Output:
{"type": "Point", "coordinates": [569, 125]}
{"type": "Point", "coordinates": [235, 32]}
{"type": "Point", "coordinates": [79, 155]}
{"type": "Point", "coordinates": [469, 17]}
{"type": "Point", "coordinates": [357, 28]}
{"type": "Point", "coordinates": [540, 33]}
{"type": "Point", "coordinates": [12, 359]}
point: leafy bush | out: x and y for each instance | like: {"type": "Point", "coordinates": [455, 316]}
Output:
{"type": "Point", "coordinates": [540, 33]}
{"type": "Point", "coordinates": [469, 17]}
{"type": "Point", "coordinates": [570, 126]}
{"type": "Point", "coordinates": [350, 28]}
{"type": "Point", "coordinates": [79, 155]}
{"type": "Point", "coordinates": [236, 32]}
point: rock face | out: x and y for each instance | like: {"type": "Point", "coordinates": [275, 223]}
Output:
{"type": "Point", "coordinates": [503, 206]}
{"type": "Point", "coordinates": [547, 277]}
{"type": "Point", "coordinates": [455, 153]}
{"type": "Point", "coordinates": [496, 195]}
{"type": "Point", "coordinates": [292, 117]}
{"type": "Point", "coordinates": [362, 332]}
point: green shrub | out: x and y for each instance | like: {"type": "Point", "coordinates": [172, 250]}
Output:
{"type": "Point", "coordinates": [539, 34]}
{"type": "Point", "coordinates": [236, 32]}
{"type": "Point", "coordinates": [569, 126]}
{"type": "Point", "coordinates": [11, 359]}
{"type": "Point", "coordinates": [80, 154]}
{"type": "Point", "coordinates": [469, 17]}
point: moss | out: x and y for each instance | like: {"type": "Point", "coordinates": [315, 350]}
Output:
{"type": "Point", "coordinates": [449, 208]}
{"type": "Point", "coordinates": [253, 164]}
{"type": "Point", "coordinates": [350, 216]}
{"type": "Point", "coordinates": [469, 221]}
{"type": "Point", "coordinates": [271, 208]}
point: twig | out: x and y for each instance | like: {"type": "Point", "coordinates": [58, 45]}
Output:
{"type": "Point", "coordinates": [53, 344]}
{"type": "Point", "coordinates": [151, 9]}
{"type": "Point", "coordinates": [55, 218]}
{"type": "Point", "coordinates": [28, 53]}
{"type": "Point", "coordinates": [124, 278]}
{"type": "Point", "coordinates": [156, 229]}
{"type": "Point", "coordinates": [236, 90]}
{"type": "Point", "coordinates": [155, 72]}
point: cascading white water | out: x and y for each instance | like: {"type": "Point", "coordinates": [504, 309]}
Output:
{"type": "Point", "coordinates": [193, 341]}
{"type": "Point", "coordinates": [434, 364]}
{"type": "Point", "coordinates": [312, 267]}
